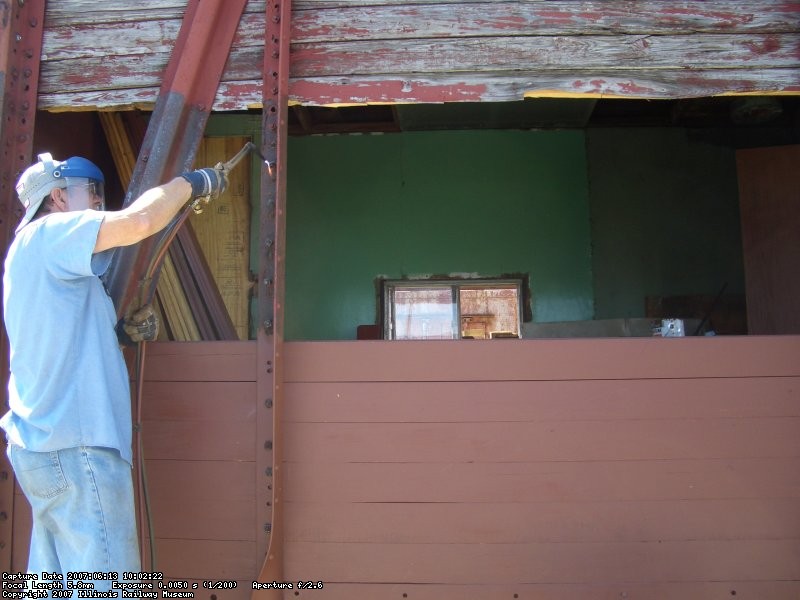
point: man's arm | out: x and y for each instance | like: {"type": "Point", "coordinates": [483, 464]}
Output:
{"type": "Point", "coordinates": [148, 214]}
{"type": "Point", "coordinates": [155, 208]}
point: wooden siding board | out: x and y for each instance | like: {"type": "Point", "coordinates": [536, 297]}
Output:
{"type": "Point", "coordinates": [405, 20]}
{"type": "Point", "coordinates": [201, 362]}
{"type": "Point", "coordinates": [383, 50]}
{"type": "Point", "coordinates": [643, 439]}
{"type": "Point", "coordinates": [541, 481]}
{"type": "Point", "coordinates": [670, 470]}
{"type": "Point", "coordinates": [544, 360]}
{"type": "Point", "coordinates": [558, 522]}
{"type": "Point", "coordinates": [203, 560]}
{"type": "Point", "coordinates": [199, 401]}
{"type": "Point", "coordinates": [542, 401]}
{"type": "Point", "coordinates": [219, 505]}
{"type": "Point", "coordinates": [582, 54]}
{"type": "Point", "coordinates": [762, 590]}
{"type": "Point", "coordinates": [565, 563]}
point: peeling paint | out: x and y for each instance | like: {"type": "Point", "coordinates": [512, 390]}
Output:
{"type": "Point", "coordinates": [391, 90]}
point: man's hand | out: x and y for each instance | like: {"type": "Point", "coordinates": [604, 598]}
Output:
{"type": "Point", "coordinates": [207, 183]}
{"type": "Point", "coordinates": [141, 326]}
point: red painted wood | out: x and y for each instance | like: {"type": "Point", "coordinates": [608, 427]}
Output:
{"type": "Point", "coordinates": [646, 439]}
{"type": "Point", "coordinates": [544, 481]}
{"type": "Point", "coordinates": [205, 560]}
{"type": "Point", "coordinates": [411, 51]}
{"type": "Point", "coordinates": [566, 563]}
{"type": "Point", "coordinates": [208, 500]}
{"type": "Point", "coordinates": [201, 361]}
{"type": "Point", "coordinates": [558, 522]}
{"type": "Point", "coordinates": [543, 468]}
{"type": "Point", "coordinates": [763, 590]}
{"type": "Point", "coordinates": [542, 401]}
{"type": "Point", "coordinates": [529, 360]}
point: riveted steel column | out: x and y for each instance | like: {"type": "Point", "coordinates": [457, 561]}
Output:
{"type": "Point", "coordinates": [21, 32]}
{"type": "Point", "coordinates": [271, 295]}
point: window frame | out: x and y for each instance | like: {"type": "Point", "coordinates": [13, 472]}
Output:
{"type": "Point", "coordinates": [388, 286]}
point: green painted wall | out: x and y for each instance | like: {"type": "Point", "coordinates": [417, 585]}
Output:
{"type": "Point", "coordinates": [433, 203]}
{"type": "Point", "coordinates": [599, 219]}
{"type": "Point", "coordinates": [665, 218]}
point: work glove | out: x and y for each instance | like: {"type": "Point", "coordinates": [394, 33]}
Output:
{"type": "Point", "coordinates": [141, 326]}
{"type": "Point", "coordinates": [208, 183]}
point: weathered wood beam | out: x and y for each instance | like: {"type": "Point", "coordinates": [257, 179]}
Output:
{"type": "Point", "coordinates": [466, 87]}
{"type": "Point", "coordinates": [92, 61]}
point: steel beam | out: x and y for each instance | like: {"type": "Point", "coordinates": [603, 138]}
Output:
{"type": "Point", "coordinates": [21, 33]}
{"type": "Point", "coordinates": [177, 125]}
{"type": "Point", "coordinates": [271, 280]}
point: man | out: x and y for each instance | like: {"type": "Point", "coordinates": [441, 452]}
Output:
{"type": "Point", "coordinates": [69, 423]}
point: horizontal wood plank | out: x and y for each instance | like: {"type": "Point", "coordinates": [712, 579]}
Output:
{"type": "Point", "coordinates": [577, 563]}
{"type": "Point", "coordinates": [232, 401]}
{"type": "Point", "coordinates": [564, 441]}
{"type": "Point", "coordinates": [393, 51]}
{"type": "Point", "coordinates": [201, 361]}
{"type": "Point", "coordinates": [553, 27]}
{"type": "Point", "coordinates": [547, 360]}
{"type": "Point", "coordinates": [449, 87]}
{"type": "Point", "coordinates": [406, 20]}
{"type": "Point", "coordinates": [583, 56]}
{"type": "Point", "coordinates": [762, 590]}
{"type": "Point", "coordinates": [204, 560]}
{"type": "Point", "coordinates": [584, 53]}
{"type": "Point", "coordinates": [325, 521]}
{"type": "Point", "coordinates": [202, 500]}
{"type": "Point", "coordinates": [199, 440]}
{"type": "Point", "coordinates": [530, 481]}
{"type": "Point", "coordinates": [539, 401]}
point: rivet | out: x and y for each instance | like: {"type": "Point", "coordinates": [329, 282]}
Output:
{"type": "Point", "coordinates": [268, 445]}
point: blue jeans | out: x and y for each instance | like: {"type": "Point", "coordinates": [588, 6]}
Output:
{"type": "Point", "coordinates": [84, 516]}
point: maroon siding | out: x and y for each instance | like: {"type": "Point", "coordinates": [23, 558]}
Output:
{"type": "Point", "coordinates": [199, 447]}
{"type": "Point", "coordinates": [546, 469]}
{"type": "Point", "coordinates": [555, 469]}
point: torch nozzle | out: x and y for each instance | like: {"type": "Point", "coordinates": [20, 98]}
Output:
{"type": "Point", "coordinates": [248, 147]}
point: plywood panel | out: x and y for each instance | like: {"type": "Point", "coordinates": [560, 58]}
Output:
{"type": "Point", "coordinates": [223, 230]}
